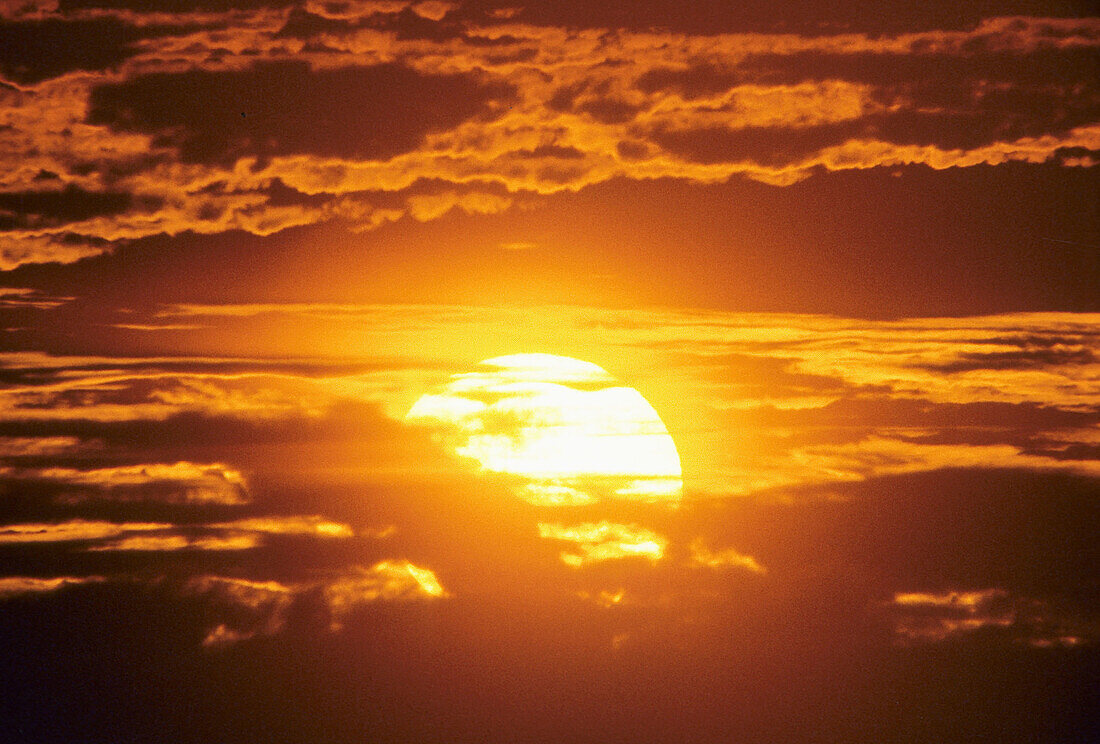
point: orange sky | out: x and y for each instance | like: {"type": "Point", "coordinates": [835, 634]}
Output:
{"type": "Point", "coordinates": [833, 476]}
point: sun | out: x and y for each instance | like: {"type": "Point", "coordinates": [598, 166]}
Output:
{"type": "Point", "coordinates": [566, 429]}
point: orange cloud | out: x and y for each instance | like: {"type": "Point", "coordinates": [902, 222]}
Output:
{"type": "Point", "coordinates": [595, 542]}
{"type": "Point", "coordinates": [181, 482]}
{"type": "Point", "coordinates": [36, 446]}
{"type": "Point", "coordinates": [19, 297]}
{"type": "Point", "coordinates": [259, 607]}
{"type": "Point", "coordinates": [266, 603]}
{"type": "Point", "coordinates": [241, 534]}
{"type": "Point", "coordinates": [389, 580]}
{"type": "Point", "coordinates": [73, 530]}
{"type": "Point", "coordinates": [15, 586]}
{"type": "Point", "coordinates": [316, 526]}
{"type": "Point", "coordinates": [161, 543]}
{"type": "Point", "coordinates": [928, 617]}
{"type": "Point", "coordinates": [701, 556]}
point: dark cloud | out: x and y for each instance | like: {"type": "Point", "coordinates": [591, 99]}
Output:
{"type": "Point", "coordinates": [806, 16]}
{"type": "Point", "coordinates": [301, 24]}
{"type": "Point", "coordinates": [447, 671]}
{"type": "Point", "coordinates": [691, 82]}
{"type": "Point", "coordinates": [931, 74]}
{"type": "Point", "coordinates": [35, 209]}
{"type": "Point", "coordinates": [551, 151]}
{"type": "Point", "coordinates": [174, 6]}
{"type": "Point", "coordinates": [860, 412]}
{"type": "Point", "coordinates": [33, 51]}
{"type": "Point", "coordinates": [775, 146]}
{"type": "Point", "coordinates": [1023, 359]}
{"type": "Point", "coordinates": [285, 108]}
{"type": "Point", "coordinates": [949, 100]}
{"type": "Point", "coordinates": [1028, 533]}
{"type": "Point", "coordinates": [405, 25]}
{"type": "Point", "coordinates": [998, 117]}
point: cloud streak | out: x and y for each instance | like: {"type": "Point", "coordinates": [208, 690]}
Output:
{"type": "Point", "coordinates": [929, 617]}
{"type": "Point", "coordinates": [261, 607]}
{"type": "Point", "coordinates": [596, 542]}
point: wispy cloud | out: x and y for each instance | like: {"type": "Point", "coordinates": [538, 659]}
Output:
{"type": "Point", "coordinates": [265, 604]}
{"type": "Point", "coordinates": [595, 542]}
{"type": "Point", "coordinates": [241, 534]}
{"type": "Point", "coordinates": [169, 543]}
{"type": "Point", "coordinates": [929, 617]}
{"type": "Point", "coordinates": [16, 586]}
{"type": "Point", "coordinates": [701, 556]}
{"type": "Point", "coordinates": [180, 482]}
{"type": "Point", "coordinates": [73, 530]}
{"type": "Point", "coordinates": [24, 297]}
{"type": "Point", "coordinates": [388, 580]}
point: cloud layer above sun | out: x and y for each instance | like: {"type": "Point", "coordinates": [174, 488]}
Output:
{"type": "Point", "coordinates": [270, 116]}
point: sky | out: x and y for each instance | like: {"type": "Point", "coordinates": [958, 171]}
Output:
{"type": "Point", "coordinates": [480, 370]}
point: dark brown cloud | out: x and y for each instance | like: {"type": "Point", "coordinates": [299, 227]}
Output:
{"type": "Point", "coordinates": [283, 108]}
{"type": "Point", "coordinates": [929, 532]}
{"type": "Point", "coordinates": [766, 145]}
{"type": "Point", "coordinates": [174, 6]}
{"type": "Point", "coordinates": [405, 24]}
{"type": "Point", "coordinates": [33, 51]}
{"type": "Point", "coordinates": [807, 16]}
{"type": "Point", "coordinates": [37, 209]}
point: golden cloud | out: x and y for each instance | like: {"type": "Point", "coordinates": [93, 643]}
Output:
{"type": "Point", "coordinates": [15, 586]}
{"type": "Point", "coordinates": [180, 482]}
{"type": "Point", "coordinates": [316, 526]}
{"type": "Point", "coordinates": [595, 542]}
{"type": "Point", "coordinates": [168, 543]}
{"type": "Point", "coordinates": [389, 580]}
{"type": "Point", "coordinates": [701, 556]}
{"type": "Point", "coordinates": [266, 603]}
{"type": "Point", "coordinates": [73, 530]}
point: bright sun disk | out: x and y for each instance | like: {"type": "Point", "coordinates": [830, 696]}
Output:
{"type": "Point", "coordinates": [564, 426]}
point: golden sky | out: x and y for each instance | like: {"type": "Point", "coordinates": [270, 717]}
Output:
{"type": "Point", "coordinates": [472, 370]}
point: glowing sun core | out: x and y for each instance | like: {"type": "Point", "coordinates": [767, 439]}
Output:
{"type": "Point", "coordinates": [563, 426]}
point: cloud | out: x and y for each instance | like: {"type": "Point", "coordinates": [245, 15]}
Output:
{"type": "Point", "coordinates": [928, 617]}
{"type": "Point", "coordinates": [75, 530]}
{"type": "Point", "coordinates": [369, 112]}
{"type": "Point", "coordinates": [169, 543]}
{"type": "Point", "coordinates": [251, 608]}
{"type": "Point", "coordinates": [37, 209]}
{"type": "Point", "coordinates": [595, 542]}
{"type": "Point", "coordinates": [315, 526]}
{"type": "Point", "coordinates": [176, 483]}
{"type": "Point", "coordinates": [107, 389]}
{"type": "Point", "coordinates": [35, 50]}
{"type": "Point", "coordinates": [16, 586]}
{"type": "Point", "coordinates": [36, 446]}
{"type": "Point", "coordinates": [701, 556]}
{"type": "Point", "coordinates": [240, 534]}
{"type": "Point", "coordinates": [754, 401]}
{"type": "Point", "coordinates": [431, 207]}
{"type": "Point", "coordinates": [388, 581]}
{"type": "Point", "coordinates": [26, 297]}
{"type": "Point", "coordinates": [878, 456]}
